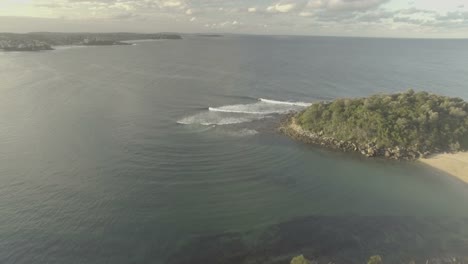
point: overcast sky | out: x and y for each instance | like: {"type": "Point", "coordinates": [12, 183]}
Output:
{"type": "Point", "coordinates": [385, 18]}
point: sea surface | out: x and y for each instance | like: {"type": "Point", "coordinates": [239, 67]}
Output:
{"type": "Point", "coordinates": [167, 152]}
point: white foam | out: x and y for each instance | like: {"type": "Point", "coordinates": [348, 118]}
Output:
{"type": "Point", "coordinates": [243, 133]}
{"type": "Point", "coordinates": [142, 40]}
{"type": "Point", "coordinates": [69, 47]}
{"type": "Point", "coordinates": [242, 113]}
{"type": "Point", "coordinates": [259, 108]}
{"type": "Point", "coordinates": [209, 119]}
{"type": "Point", "coordinates": [225, 109]}
{"type": "Point", "coordinates": [303, 104]}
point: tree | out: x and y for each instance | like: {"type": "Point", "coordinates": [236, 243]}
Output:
{"type": "Point", "coordinates": [413, 122]}
{"type": "Point", "coordinates": [375, 260]}
{"type": "Point", "coordinates": [300, 260]}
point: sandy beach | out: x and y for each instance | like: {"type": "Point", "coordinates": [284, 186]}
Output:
{"type": "Point", "coordinates": [455, 164]}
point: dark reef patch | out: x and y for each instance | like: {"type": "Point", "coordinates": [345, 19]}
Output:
{"type": "Point", "coordinates": [337, 239]}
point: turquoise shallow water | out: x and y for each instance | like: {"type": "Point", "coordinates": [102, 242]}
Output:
{"type": "Point", "coordinates": [132, 154]}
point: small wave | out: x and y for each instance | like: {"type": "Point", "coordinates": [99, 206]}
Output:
{"type": "Point", "coordinates": [243, 133]}
{"type": "Point", "coordinates": [210, 119]}
{"type": "Point", "coordinates": [258, 108]}
{"type": "Point", "coordinates": [303, 104]}
{"type": "Point", "coordinates": [243, 97]}
{"type": "Point", "coordinates": [221, 109]}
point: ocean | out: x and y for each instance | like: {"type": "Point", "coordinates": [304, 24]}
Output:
{"type": "Point", "coordinates": [168, 152]}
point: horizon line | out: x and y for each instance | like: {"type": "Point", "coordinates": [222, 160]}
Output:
{"type": "Point", "coordinates": [238, 34]}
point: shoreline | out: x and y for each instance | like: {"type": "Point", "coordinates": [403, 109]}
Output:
{"type": "Point", "coordinates": [68, 46]}
{"type": "Point", "coordinates": [455, 164]}
{"type": "Point", "coordinates": [290, 128]}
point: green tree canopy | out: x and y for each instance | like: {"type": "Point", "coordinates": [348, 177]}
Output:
{"type": "Point", "coordinates": [300, 260]}
{"type": "Point", "coordinates": [420, 122]}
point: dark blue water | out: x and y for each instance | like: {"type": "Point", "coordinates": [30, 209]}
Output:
{"type": "Point", "coordinates": [129, 154]}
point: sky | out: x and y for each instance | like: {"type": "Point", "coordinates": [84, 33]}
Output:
{"type": "Point", "coordinates": [366, 18]}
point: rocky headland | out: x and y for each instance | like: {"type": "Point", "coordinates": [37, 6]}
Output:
{"type": "Point", "coordinates": [403, 126]}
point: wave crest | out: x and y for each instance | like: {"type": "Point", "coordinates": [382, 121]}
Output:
{"type": "Point", "coordinates": [303, 104]}
{"type": "Point", "coordinates": [210, 119]}
{"type": "Point", "coordinates": [226, 109]}
{"type": "Point", "coordinates": [243, 113]}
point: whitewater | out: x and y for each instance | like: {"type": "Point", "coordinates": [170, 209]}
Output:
{"type": "Point", "coordinates": [242, 113]}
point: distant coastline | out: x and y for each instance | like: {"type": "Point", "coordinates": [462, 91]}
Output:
{"type": "Point", "coordinates": [209, 35]}
{"type": "Point", "coordinates": [47, 40]}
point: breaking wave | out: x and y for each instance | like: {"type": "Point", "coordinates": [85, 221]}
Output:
{"type": "Point", "coordinates": [261, 107]}
{"type": "Point", "coordinates": [243, 132]}
{"type": "Point", "coordinates": [243, 113]}
{"type": "Point", "coordinates": [303, 104]}
{"type": "Point", "coordinates": [228, 109]}
{"type": "Point", "coordinates": [209, 119]}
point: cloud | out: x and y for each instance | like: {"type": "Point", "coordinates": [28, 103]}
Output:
{"type": "Point", "coordinates": [330, 17]}
{"type": "Point", "coordinates": [285, 7]}
{"type": "Point", "coordinates": [452, 19]}
{"type": "Point", "coordinates": [123, 6]}
{"type": "Point", "coordinates": [374, 16]}
{"type": "Point", "coordinates": [306, 14]}
{"type": "Point", "coordinates": [48, 5]}
{"type": "Point", "coordinates": [408, 20]}
{"type": "Point", "coordinates": [92, 1]}
{"type": "Point", "coordinates": [125, 16]}
{"type": "Point", "coordinates": [252, 9]}
{"type": "Point", "coordinates": [345, 5]}
{"type": "Point", "coordinates": [171, 3]}
{"type": "Point", "coordinates": [416, 11]}
{"type": "Point", "coordinates": [224, 25]}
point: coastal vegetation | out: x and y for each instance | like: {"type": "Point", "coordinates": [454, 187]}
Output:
{"type": "Point", "coordinates": [30, 45]}
{"type": "Point", "coordinates": [45, 40]}
{"type": "Point", "coordinates": [300, 260]}
{"type": "Point", "coordinates": [404, 125]}
{"type": "Point", "coordinates": [377, 259]}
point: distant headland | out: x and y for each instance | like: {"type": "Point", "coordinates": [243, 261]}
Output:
{"type": "Point", "coordinates": [46, 40]}
{"type": "Point", "coordinates": [210, 35]}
